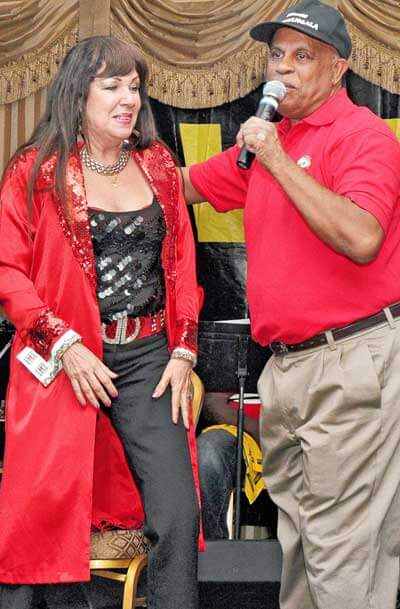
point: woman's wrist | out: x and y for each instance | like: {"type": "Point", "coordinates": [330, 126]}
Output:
{"type": "Point", "coordinates": [71, 339]}
{"type": "Point", "coordinates": [185, 354]}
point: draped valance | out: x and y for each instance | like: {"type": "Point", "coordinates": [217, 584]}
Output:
{"type": "Point", "coordinates": [200, 52]}
{"type": "Point", "coordinates": [34, 37]}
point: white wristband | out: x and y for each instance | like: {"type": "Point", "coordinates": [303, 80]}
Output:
{"type": "Point", "coordinates": [46, 370]}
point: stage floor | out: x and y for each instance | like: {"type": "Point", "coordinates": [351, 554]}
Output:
{"type": "Point", "coordinates": [101, 594]}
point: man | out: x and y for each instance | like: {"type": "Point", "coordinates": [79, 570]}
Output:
{"type": "Point", "coordinates": [322, 232]}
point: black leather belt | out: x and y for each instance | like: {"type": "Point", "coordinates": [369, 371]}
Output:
{"type": "Point", "coordinates": [321, 339]}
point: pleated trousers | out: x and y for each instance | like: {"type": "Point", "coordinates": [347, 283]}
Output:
{"type": "Point", "coordinates": [330, 430]}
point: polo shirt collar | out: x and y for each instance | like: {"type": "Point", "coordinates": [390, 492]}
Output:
{"type": "Point", "coordinates": [325, 114]}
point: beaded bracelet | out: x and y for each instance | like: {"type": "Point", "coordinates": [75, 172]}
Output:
{"type": "Point", "coordinates": [181, 353]}
{"type": "Point", "coordinates": [71, 339]}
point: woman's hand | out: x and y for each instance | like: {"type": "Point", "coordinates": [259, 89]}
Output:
{"type": "Point", "coordinates": [90, 378]}
{"type": "Point", "coordinates": [177, 374]}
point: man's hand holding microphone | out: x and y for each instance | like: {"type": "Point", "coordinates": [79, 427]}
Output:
{"type": "Point", "coordinates": [258, 137]}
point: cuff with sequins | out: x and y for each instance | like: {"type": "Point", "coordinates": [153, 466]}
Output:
{"type": "Point", "coordinates": [46, 370]}
{"type": "Point", "coordinates": [186, 335]}
{"type": "Point", "coordinates": [44, 333]}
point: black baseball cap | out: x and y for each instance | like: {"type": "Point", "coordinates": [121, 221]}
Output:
{"type": "Point", "coordinates": [313, 18]}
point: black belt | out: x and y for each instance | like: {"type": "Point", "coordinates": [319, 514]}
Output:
{"type": "Point", "coordinates": [321, 339]}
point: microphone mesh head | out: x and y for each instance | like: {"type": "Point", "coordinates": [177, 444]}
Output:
{"type": "Point", "coordinates": [274, 88]}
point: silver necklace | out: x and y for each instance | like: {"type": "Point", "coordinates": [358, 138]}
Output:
{"type": "Point", "coordinates": [105, 170]}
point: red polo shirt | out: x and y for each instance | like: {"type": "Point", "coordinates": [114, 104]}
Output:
{"type": "Point", "coordinates": [297, 285]}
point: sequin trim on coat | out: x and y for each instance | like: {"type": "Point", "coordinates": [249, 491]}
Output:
{"type": "Point", "coordinates": [44, 331]}
{"type": "Point", "coordinates": [74, 221]}
{"type": "Point", "coordinates": [160, 170]}
{"type": "Point", "coordinates": [187, 330]}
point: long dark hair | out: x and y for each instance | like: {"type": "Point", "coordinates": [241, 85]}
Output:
{"type": "Point", "coordinates": [64, 119]}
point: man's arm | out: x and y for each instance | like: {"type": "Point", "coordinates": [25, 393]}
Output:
{"type": "Point", "coordinates": [191, 194]}
{"type": "Point", "coordinates": [340, 223]}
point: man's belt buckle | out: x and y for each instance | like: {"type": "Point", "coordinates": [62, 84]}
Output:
{"type": "Point", "coordinates": [279, 348]}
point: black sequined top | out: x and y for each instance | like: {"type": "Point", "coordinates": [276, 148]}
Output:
{"type": "Point", "coordinates": [127, 249]}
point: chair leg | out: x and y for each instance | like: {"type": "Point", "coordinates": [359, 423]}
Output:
{"type": "Point", "coordinates": [230, 515]}
{"type": "Point", "coordinates": [132, 578]}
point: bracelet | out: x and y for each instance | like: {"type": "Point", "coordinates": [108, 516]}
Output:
{"type": "Point", "coordinates": [181, 353]}
{"type": "Point", "coordinates": [64, 343]}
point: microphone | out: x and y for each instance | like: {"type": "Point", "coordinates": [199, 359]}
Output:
{"type": "Point", "coordinates": [273, 93]}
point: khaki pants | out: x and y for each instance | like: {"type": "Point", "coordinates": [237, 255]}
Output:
{"type": "Point", "coordinates": [330, 432]}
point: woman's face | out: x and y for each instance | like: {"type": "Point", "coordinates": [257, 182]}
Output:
{"type": "Point", "coordinates": [112, 108]}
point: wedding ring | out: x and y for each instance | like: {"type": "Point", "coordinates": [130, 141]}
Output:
{"type": "Point", "coordinates": [261, 136]}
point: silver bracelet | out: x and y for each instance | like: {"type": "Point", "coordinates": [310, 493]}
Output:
{"type": "Point", "coordinates": [66, 341]}
{"type": "Point", "coordinates": [182, 353]}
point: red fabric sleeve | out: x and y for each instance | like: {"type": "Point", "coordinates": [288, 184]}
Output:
{"type": "Point", "coordinates": [188, 294]}
{"type": "Point", "coordinates": [366, 170]}
{"type": "Point", "coordinates": [221, 181]}
{"type": "Point", "coordinates": [37, 326]}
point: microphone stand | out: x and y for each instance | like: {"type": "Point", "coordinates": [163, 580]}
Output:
{"type": "Point", "coordinates": [241, 374]}
{"type": "Point", "coordinates": [236, 560]}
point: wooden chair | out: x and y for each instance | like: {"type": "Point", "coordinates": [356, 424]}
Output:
{"type": "Point", "coordinates": [121, 554]}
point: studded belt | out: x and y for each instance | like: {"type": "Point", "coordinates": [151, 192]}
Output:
{"type": "Point", "coordinates": [321, 339]}
{"type": "Point", "coordinates": [127, 329]}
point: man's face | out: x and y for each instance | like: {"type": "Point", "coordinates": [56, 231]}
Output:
{"type": "Point", "coordinates": [310, 70]}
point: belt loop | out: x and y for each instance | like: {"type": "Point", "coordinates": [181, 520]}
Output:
{"type": "Point", "coordinates": [389, 317]}
{"type": "Point", "coordinates": [331, 340]}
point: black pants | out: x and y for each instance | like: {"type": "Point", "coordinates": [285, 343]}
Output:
{"type": "Point", "coordinates": [158, 454]}
{"type": "Point", "coordinates": [16, 597]}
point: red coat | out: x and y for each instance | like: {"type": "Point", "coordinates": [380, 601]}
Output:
{"type": "Point", "coordinates": [64, 467]}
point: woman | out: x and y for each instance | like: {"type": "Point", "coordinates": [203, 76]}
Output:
{"type": "Point", "coordinates": [97, 275]}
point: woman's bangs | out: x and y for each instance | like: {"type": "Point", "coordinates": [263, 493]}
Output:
{"type": "Point", "coordinates": [120, 59]}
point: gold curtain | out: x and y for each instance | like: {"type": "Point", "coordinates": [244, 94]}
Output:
{"type": "Point", "coordinates": [374, 26]}
{"type": "Point", "coordinates": [201, 55]}
{"type": "Point", "coordinates": [17, 121]}
{"type": "Point", "coordinates": [34, 37]}
{"type": "Point", "coordinates": [199, 51]}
